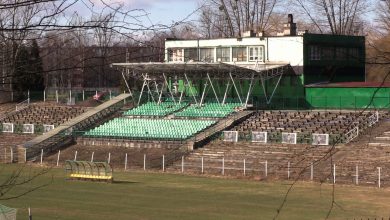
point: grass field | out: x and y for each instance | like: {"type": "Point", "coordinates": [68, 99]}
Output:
{"type": "Point", "coordinates": [139, 195]}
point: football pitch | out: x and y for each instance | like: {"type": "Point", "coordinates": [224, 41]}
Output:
{"type": "Point", "coordinates": [138, 195]}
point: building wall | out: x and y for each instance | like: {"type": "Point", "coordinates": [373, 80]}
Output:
{"type": "Point", "coordinates": [348, 98]}
{"type": "Point", "coordinates": [276, 49]}
{"type": "Point", "coordinates": [338, 58]}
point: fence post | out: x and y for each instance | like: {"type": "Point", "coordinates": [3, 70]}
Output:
{"type": "Point", "coordinates": [266, 168]}
{"type": "Point", "coordinates": [311, 171]}
{"type": "Point", "coordinates": [223, 166]}
{"type": "Point", "coordinates": [288, 170]}
{"type": "Point", "coordinates": [126, 162]}
{"type": "Point", "coordinates": [92, 156]}
{"type": "Point", "coordinates": [379, 177]}
{"type": "Point", "coordinates": [12, 155]}
{"type": "Point", "coordinates": [41, 156]}
{"type": "Point", "coordinates": [182, 164]}
{"type": "Point", "coordinates": [202, 165]}
{"type": "Point", "coordinates": [163, 163]}
{"type": "Point", "coordinates": [28, 96]}
{"type": "Point", "coordinates": [44, 95]}
{"type": "Point", "coordinates": [75, 155]}
{"type": "Point", "coordinates": [357, 175]}
{"type": "Point", "coordinates": [110, 95]}
{"type": "Point", "coordinates": [58, 157]}
{"type": "Point", "coordinates": [57, 96]}
{"type": "Point", "coordinates": [244, 167]}
{"type": "Point", "coordinates": [83, 95]}
{"type": "Point", "coordinates": [109, 158]}
{"type": "Point", "coordinates": [25, 155]}
{"type": "Point", "coordinates": [144, 161]}
{"type": "Point", "coordinates": [334, 173]}
{"type": "Point", "coordinates": [70, 96]}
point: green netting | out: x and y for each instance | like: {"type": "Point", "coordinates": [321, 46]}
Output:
{"type": "Point", "coordinates": [154, 109]}
{"type": "Point", "coordinates": [139, 128]}
{"type": "Point", "coordinates": [208, 110]}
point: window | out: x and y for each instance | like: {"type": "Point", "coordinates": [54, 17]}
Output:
{"type": "Point", "coordinates": [207, 55]}
{"type": "Point", "coordinates": [341, 53]}
{"type": "Point", "coordinates": [223, 54]}
{"type": "Point", "coordinates": [315, 52]}
{"type": "Point", "coordinates": [327, 53]}
{"type": "Point", "coordinates": [191, 54]}
{"type": "Point", "coordinates": [239, 54]}
{"type": "Point", "coordinates": [175, 55]}
{"type": "Point", "coordinates": [256, 53]}
{"type": "Point", "coordinates": [354, 54]}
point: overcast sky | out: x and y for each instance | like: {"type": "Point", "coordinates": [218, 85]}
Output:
{"type": "Point", "coordinates": [160, 11]}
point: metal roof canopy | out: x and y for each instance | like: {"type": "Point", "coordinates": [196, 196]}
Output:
{"type": "Point", "coordinates": [199, 70]}
{"type": "Point", "coordinates": [153, 72]}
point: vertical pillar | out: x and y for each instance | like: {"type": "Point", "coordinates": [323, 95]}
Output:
{"type": "Point", "coordinates": [92, 156]}
{"type": "Point", "coordinates": [75, 155]}
{"type": "Point", "coordinates": [266, 168]}
{"type": "Point", "coordinates": [357, 175]}
{"type": "Point", "coordinates": [379, 177]}
{"type": "Point", "coordinates": [109, 158]}
{"type": "Point", "coordinates": [83, 95]}
{"type": "Point", "coordinates": [44, 95]}
{"type": "Point", "coordinates": [57, 96]}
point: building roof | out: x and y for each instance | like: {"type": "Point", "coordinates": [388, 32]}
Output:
{"type": "Point", "coordinates": [350, 85]}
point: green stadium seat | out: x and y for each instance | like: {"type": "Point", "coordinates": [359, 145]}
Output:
{"type": "Point", "coordinates": [208, 110]}
{"type": "Point", "coordinates": [155, 109]}
{"type": "Point", "coordinates": [140, 128]}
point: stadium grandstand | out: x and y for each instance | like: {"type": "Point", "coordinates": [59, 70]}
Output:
{"type": "Point", "coordinates": [276, 99]}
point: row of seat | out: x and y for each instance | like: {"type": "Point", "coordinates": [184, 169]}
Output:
{"type": "Point", "coordinates": [155, 109]}
{"type": "Point", "coordinates": [43, 115]}
{"type": "Point", "coordinates": [208, 110]}
{"type": "Point", "coordinates": [141, 128]}
{"type": "Point", "coordinates": [304, 121]}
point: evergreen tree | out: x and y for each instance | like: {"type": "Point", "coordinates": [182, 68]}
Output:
{"type": "Point", "coordinates": [28, 72]}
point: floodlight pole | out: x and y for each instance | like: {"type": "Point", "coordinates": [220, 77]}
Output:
{"type": "Point", "coordinates": [212, 86]}
{"type": "Point", "coordinates": [189, 85]}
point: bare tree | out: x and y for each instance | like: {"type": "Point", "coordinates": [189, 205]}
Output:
{"type": "Point", "coordinates": [339, 17]}
{"type": "Point", "coordinates": [232, 17]}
